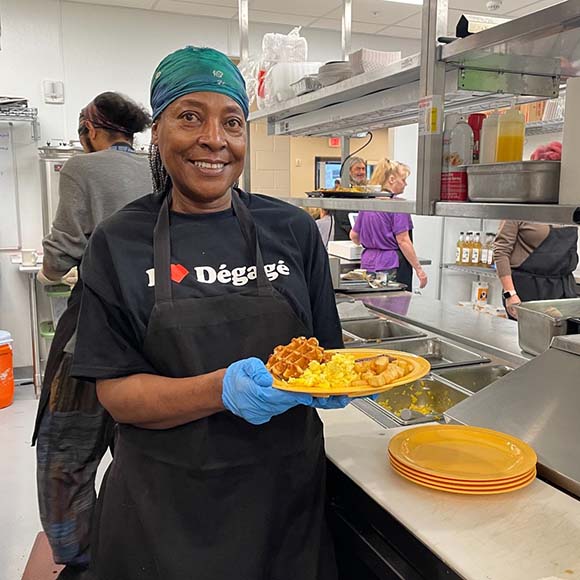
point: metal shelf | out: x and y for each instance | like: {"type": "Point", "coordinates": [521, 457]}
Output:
{"type": "Point", "coordinates": [544, 43]}
{"type": "Point", "coordinates": [19, 114]}
{"type": "Point", "coordinates": [367, 204]}
{"type": "Point", "coordinates": [358, 105]}
{"type": "Point", "coordinates": [545, 213]}
{"type": "Point", "coordinates": [474, 270]}
{"type": "Point", "coordinates": [545, 127]}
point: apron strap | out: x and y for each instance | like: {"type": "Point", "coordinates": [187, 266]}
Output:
{"type": "Point", "coordinates": [248, 227]}
{"type": "Point", "coordinates": [162, 249]}
{"type": "Point", "coordinates": [162, 254]}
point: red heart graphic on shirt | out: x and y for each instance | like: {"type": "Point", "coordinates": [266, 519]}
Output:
{"type": "Point", "coordinates": [178, 273]}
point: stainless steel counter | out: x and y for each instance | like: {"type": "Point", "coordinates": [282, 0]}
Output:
{"type": "Point", "coordinates": [495, 336]}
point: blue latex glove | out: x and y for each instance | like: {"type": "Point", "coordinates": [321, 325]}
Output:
{"type": "Point", "coordinates": [248, 393]}
{"type": "Point", "coordinates": [335, 402]}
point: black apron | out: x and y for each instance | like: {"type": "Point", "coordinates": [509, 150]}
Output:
{"type": "Point", "coordinates": [405, 270]}
{"type": "Point", "coordinates": [217, 498]}
{"type": "Point", "coordinates": [547, 272]}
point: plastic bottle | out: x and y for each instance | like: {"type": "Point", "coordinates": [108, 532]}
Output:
{"type": "Point", "coordinates": [466, 250]}
{"type": "Point", "coordinates": [511, 132]}
{"type": "Point", "coordinates": [476, 250]}
{"type": "Point", "coordinates": [488, 141]}
{"type": "Point", "coordinates": [460, 154]}
{"type": "Point", "coordinates": [484, 251]}
{"type": "Point", "coordinates": [475, 121]}
{"type": "Point", "coordinates": [450, 122]}
{"type": "Point", "coordinates": [459, 248]}
{"type": "Point", "coordinates": [490, 250]}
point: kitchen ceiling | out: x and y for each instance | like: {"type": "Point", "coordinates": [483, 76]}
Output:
{"type": "Point", "coordinates": [368, 16]}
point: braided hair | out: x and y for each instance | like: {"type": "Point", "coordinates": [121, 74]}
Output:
{"type": "Point", "coordinates": [161, 180]}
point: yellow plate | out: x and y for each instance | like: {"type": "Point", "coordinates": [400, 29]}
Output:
{"type": "Point", "coordinates": [463, 452]}
{"type": "Point", "coordinates": [466, 491]}
{"type": "Point", "coordinates": [458, 482]}
{"type": "Point", "coordinates": [420, 365]}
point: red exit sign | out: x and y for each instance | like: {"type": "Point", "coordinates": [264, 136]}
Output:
{"type": "Point", "coordinates": [334, 142]}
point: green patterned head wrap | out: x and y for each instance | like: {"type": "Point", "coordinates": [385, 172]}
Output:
{"type": "Point", "coordinates": [193, 70]}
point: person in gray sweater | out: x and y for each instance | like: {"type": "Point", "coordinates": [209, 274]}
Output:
{"type": "Point", "coordinates": [73, 431]}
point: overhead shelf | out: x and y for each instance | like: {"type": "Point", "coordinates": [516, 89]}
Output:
{"type": "Point", "coordinates": [348, 115]}
{"type": "Point", "coordinates": [545, 213]}
{"type": "Point", "coordinates": [367, 204]}
{"type": "Point", "coordinates": [544, 43]}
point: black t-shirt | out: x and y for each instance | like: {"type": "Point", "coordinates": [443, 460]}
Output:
{"type": "Point", "coordinates": [209, 257]}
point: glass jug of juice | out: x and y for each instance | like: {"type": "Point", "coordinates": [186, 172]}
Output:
{"type": "Point", "coordinates": [510, 136]}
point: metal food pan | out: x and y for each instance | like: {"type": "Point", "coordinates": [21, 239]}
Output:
{"type": "Point", "coordinates": [379, 330]}
{"type": "Point", "coordinates": [540, 320]}
{"type": "Point", "coordinates": [430, 396]}
{"type": "Point", "coordinates": [520, 182]}
{"type": "Point", "coordinates": [475, 378]}
{"type": "Point", "coordinates": [440, 353]}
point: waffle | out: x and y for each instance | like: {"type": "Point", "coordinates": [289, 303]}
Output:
{"type": "Point", "coordinates": [290, 360]}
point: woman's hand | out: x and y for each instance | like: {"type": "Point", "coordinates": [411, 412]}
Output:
{"type": "Point", "coordinates": [248, 393]}
{"type": "Point", "coordinates": [510, 305]}
{"type": "Point", "coordinates": [422, 278]}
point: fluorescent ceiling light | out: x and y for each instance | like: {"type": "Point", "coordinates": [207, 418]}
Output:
{"type": "Point", "coordinates": [414, 2]}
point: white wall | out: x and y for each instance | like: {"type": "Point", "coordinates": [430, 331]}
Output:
{"type": "Point", "coordinates": [92, 49]}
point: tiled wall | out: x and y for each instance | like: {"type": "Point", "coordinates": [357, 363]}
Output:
{"type": "Point", "coordinates": [270, 161]}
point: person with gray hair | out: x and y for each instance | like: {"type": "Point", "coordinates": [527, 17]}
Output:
{"type": "Point", "coordinates": [355, 170]}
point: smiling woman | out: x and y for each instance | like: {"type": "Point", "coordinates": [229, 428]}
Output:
{"type": "Point", "coordinates": [187, 292]}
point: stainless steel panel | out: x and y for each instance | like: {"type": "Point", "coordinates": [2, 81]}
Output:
{"type": "Point", "coordinates": [499, 81]}
{"type": "Point", "coordinates": [379, 330]}
{"type": "Point", "coordinates": [354, 310]}
{"type": "Point", "coordinates": [543, 213]}
{"type": "Point", "coordinates": [540, 320]}
{"type": "Point", "coordinates": [475, 378]}
{"type": "Point", "coordinates": [429, 397]}
{"type": "Point", "coordinates": [522, 182]}
{"type": "Point", "coordinates": [440, 353]}
{"type": "Point", "coordinates": [550, 34]}
{"type": "Point", "coordinates": [539, 403]}
{"type": "Point", "coordinates": [567, 343]}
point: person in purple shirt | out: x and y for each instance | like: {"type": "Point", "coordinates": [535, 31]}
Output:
{"type": "Point", "coordinates": [386, 237]}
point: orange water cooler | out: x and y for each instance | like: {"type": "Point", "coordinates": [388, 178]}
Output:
{"type": "Point", "coordinates": [6, 370]}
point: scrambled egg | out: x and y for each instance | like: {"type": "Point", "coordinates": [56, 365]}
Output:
{"type": "Point", "coordinates": [345, 371]}
{"type": "Point", "coordinates": [339, 372]}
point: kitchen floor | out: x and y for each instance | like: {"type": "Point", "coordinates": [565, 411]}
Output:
{"type": "Point", "coordinates": [19, 520]}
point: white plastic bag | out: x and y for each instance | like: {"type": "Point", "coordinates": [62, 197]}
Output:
{"type": "Point", "coordinates": [289, 47]}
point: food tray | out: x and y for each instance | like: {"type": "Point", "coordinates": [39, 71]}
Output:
{"type": "Point", "coordinates": [520, 182]}
{"type": "Point", "coordinates": [307, 84]}
{"type": "Point", "coordinates": [537, 327]}
{"type": "Point", "coordinates": [379, 330]}
{"type": "Point", "coordinates": [428, 394]}
{"type": "Point", "coordinates": [348, 194]}
{"type": "Point", "coordinates": [440, 353]}
{"type": "Point", "coordinates": [362, 287]}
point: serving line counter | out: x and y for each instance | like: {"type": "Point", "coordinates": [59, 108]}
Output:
{"type": "Point", "coordinates": [396, 529]}
{"type": "Point", "coordinates": [387, 527]}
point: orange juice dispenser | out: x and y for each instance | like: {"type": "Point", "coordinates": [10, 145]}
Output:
{"type": "Point", "coordinates": [510, 136]}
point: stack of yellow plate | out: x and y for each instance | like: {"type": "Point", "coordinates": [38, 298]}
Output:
{"type": "Point", "coordinates": [462, 459]}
